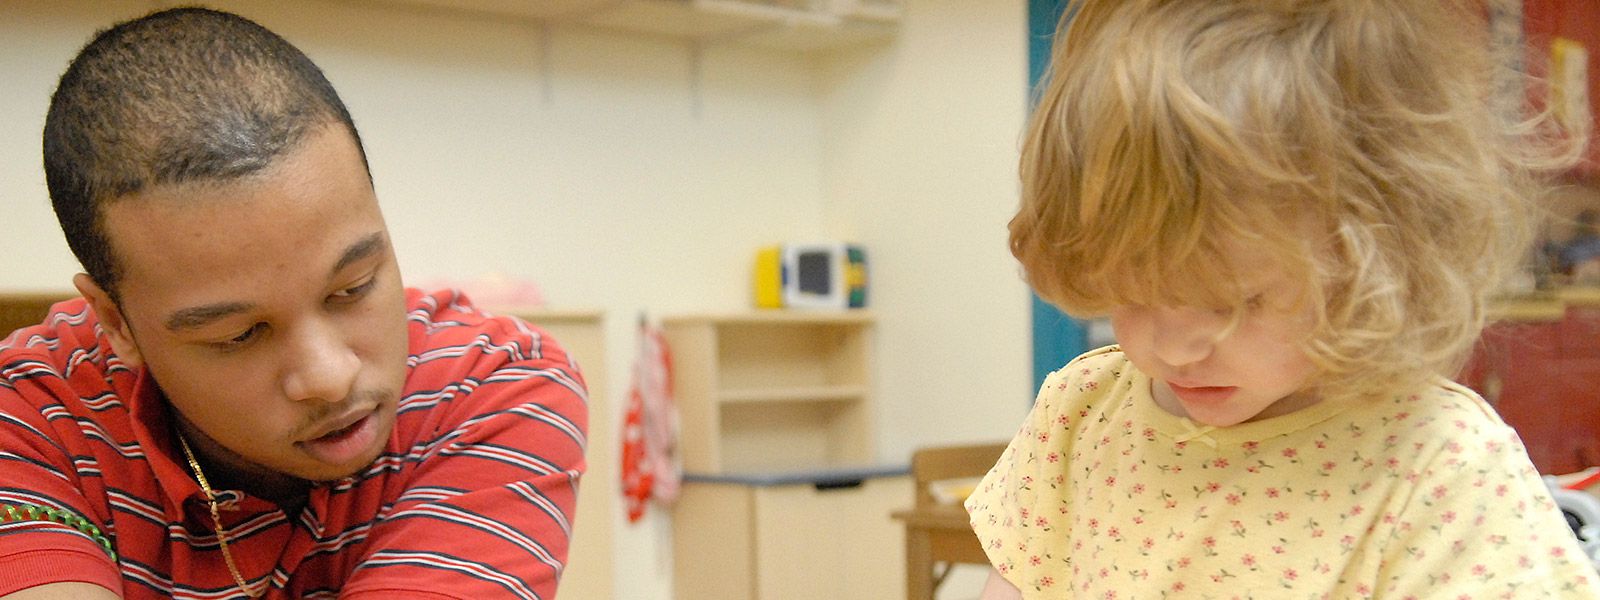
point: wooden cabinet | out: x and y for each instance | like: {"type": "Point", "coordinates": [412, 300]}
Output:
{"type": "Point", "coordinates": [590, 569]}
{"type": "Point", "coordinates": [791, 537]}
{"type": "Point", "coordinates": [779, 500]}
{"type": "Point", "coordinates": [773, 390]}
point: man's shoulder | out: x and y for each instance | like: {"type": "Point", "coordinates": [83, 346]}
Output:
{"type": "Point", "coordinates": [65, 341]}
{"type": "Point", "coordinates": [448, 331]}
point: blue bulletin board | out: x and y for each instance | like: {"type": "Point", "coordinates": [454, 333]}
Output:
{"type": "Point", "coordinates": [1057, 338]}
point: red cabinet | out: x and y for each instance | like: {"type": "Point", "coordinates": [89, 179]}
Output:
{"type": "Point", "coordinates": [1543, 376]}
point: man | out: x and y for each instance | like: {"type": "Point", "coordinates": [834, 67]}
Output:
{"type": "Point", "coordinates": [246, 402]}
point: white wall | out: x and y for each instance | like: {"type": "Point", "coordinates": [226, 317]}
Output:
{"type": "Point", "coordinates": [602, 167]}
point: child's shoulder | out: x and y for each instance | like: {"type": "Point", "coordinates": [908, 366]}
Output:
{"type": "Point", "coordinates": [1097, 373]}
{"type": "Point", "coordinates": [1443, 415]}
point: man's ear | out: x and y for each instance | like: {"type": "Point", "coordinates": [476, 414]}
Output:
{"type": "Point", "coordinates": [111, 321]}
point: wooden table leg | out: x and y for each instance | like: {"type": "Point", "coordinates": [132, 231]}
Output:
{"type": "Point", "coordinates": [919, 564]}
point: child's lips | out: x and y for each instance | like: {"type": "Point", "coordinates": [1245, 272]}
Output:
{"type": "Point", "coordinates": [1202, 394]}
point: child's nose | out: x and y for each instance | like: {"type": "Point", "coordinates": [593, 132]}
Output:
{"type": "Point", "coordinates": [1186, 335]}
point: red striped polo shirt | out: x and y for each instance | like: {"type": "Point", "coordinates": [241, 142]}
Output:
{"type": "Point", "coordinates": [472, 496]}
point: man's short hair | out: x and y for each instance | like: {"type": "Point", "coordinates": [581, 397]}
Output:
{"type": "Point", "coordinates": [176, 96]}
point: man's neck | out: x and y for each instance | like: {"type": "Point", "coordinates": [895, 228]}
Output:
{"type": "Point", "coordinates": [226, 470]}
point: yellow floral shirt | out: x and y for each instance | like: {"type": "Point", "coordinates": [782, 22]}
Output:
{"type": "Point", "coordinates": [1104, 495]}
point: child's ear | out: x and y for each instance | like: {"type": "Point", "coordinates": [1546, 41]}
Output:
{"type": "Point", "coordinates": [111, 321]}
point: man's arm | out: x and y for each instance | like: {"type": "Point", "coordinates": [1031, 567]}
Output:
{"type": "Point", "coordinates": [488, 511]}
{"type": "Point", "coordinates": [63, 591]}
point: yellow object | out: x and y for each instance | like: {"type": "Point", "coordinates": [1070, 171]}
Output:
{"type": "Point", "coordinates": [769, 277]}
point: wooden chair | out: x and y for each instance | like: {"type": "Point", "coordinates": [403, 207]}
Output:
{"type": "Point", "coordinates": [21, 309]}
{"type": "Point", "coordinates": [937, 534]}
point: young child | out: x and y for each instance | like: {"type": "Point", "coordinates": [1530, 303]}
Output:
{"type": "Point", "coordinates": [1293, 212]}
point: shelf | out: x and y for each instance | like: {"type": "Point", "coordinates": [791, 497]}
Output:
{"type": "Point", "coordinates": [779, 317]}
{"type": "Point", "coordinates": [773, 389]}
{"type": "Point", "coordinates": [830, 393]}
{"type": "Point", "coordinates": [788, 25]}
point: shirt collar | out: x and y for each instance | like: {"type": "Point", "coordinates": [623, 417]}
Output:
{"type": "Point", "coordinates": [152, 427]}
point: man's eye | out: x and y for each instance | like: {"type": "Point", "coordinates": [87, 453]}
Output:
{"type": "Point", "coordinates": [243, 338]}
{"type": "Point", "coordinates": [355, 291]}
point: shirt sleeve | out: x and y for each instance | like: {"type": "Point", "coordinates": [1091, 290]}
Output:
{"type": "Point", "coordinates": [49, 532]}
{"type": "Point", "coordinates": [1021, 499]}
{"type": "Point", "coordinates": [1481, 523]}
{"type": "Point", "coordinates": [488, 513]}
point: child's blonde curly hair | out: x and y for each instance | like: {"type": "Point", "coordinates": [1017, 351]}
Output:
{"type": "Point", "coordinates": [1354, 143]}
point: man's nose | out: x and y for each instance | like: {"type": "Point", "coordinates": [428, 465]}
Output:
{"type": "Point", "coordinates": [321, 365]}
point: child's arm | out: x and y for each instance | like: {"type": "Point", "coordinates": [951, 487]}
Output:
{"type": "Point", "coordinates": [997, 588]}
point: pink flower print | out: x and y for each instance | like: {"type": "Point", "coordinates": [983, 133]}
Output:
{"type": "Point", "coordinates": [1221, 463]}
{"type": "Point", "coordinates": [1053, 457]}
{"type": "Point", "coordinates": [1177, 586]}
{"type": "Point", "coordinates": [1392, 462]}
{"type": "Point", "coordinates": [1439, 492]}
{"type": "Point", "coordinates": [1478, 570]}
{"type": "Point", "coordinates": [1558, 552]}
{"type": "Point", "coordinates": [1042, 523]}
{"type": "Point", "coordinates": [1280, 516]}
{"type": "Point", "coordinates": [1501, 490]}
{"type": "Point", "coordinates": [1291, 574]}
{"type": "Point", "coordinates": [1094, 523]}
{"type": "Point", "coordinates": [1138, 488]}
{"type": "Point", "coordinates": [1035, 560]}
{"type": "Point", "coordinates": [1363, 589]}
{"type": "Point", "coordinates": [1327, 467]}
{"type": "Point", "coordinates": [1063, 421]}
{"type": "Point", "coordinates": [1278, 550]}
{"type": "Point", "coordinates": [1148, 543]}
{"type": "Point", "coordinates": [1111, 481]}
{"type": "Point", "coordinates": [1149, 433]}
{"type": "Point", "coordinates": [1233, 499]}
{"type": "Point", "coordinates": [1251, 447]}
{"type": "Point", "coordinates": [1249, 560]}
{"type": "Point", "coordinates": [1322, 444]}
{"type": "Point", "coordinates": [1272, 492]}
{"type": "Point", "coordinates": [1089, 386]}
{"type": "Point", "coordinates": [1111, 595]}
{"type": "Point", "coordinates": [1213, 486]}
{"type": "Point", "coordinates": [1046, 581]}
{"type": "Point", "coordinates": [1115, 532]}
{"type": "Point", "coordinates": [1044, 437]}
{"type": "Point", "coordinates": [1183, 563]}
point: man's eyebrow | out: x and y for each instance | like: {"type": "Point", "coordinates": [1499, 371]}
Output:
{"type": "Point", "coordinates": [364, 247]}
{"type": "Point", "coordinates": [200, 316]}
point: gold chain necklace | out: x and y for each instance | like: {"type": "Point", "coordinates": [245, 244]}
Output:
{"type": "Point", "coordinates": [211, 500]}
